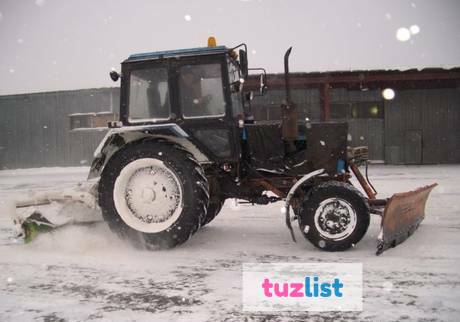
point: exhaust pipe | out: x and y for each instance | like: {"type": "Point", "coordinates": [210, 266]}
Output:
{"type": "Point", "coordinates": [289, 130]}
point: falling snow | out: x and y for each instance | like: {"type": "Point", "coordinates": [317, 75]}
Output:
{"type": "Point", "coordinates": [414, 29]}
{"type": "Point", "coordinates": [388, 94]}
{"type": "Point", "coordinates": [188, 17]}
{"type": "Point", "coordinates": [403, 34]}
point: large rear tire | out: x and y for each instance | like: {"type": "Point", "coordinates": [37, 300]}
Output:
{"type": "Point", "coordinates": [334, 216]}
{"type": "Point", "coordinates": [214, 208]}
{"type": "Point", "coordinates": [153, 193]}
{"type": "Point", "coordinates": [216, 202]}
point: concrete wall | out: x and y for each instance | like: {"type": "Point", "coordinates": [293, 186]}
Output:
{"type": "Point", "coordinates": [35, 128]}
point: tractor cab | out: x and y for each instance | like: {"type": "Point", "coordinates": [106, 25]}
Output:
{"type": "Point", "coordinates": [199, 90]}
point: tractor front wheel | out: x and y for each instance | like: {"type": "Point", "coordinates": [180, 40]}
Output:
{"type": "Point", "coordinates": [334, 216]}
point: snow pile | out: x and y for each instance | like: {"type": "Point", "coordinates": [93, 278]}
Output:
{"type": "Point", "coordinates": [79, 239]}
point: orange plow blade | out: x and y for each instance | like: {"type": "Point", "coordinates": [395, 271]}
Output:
{"type": "Point", "coordinates": [402, 215]}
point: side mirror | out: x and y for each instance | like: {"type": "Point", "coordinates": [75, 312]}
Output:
{"type": "Point", "coordinates": [244, 63]}
{"type": "Point", "coordinates": [263, 83]}
{"type": "Point", "coordinates": [114, 75]}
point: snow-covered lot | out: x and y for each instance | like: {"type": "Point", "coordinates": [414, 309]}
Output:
{"type": "Point", "coordinates": [86, 273]}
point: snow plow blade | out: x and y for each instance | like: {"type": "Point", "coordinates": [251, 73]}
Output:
{"type": "Point", "coordinates": [402, 215]}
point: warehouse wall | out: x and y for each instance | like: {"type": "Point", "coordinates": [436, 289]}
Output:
{"type": "Point", "coordinates": [423, 127]}
{"type": "Point", "coordinates": [267, 107]}
{"type": "Point", "coordinates": [419, 126]}
{"type": "Point", "coordinates": [363, 130]}
{"type": "Point", "coordinates": [35, 128]}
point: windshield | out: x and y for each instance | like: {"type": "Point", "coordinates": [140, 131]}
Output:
{"type": "Point", "coordinates": [201, 90]}
{"type": "Point", "coordinates": [149, 94]}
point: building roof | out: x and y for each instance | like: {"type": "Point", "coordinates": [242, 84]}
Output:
{"type": "Point", "coordinates": [412, 78]}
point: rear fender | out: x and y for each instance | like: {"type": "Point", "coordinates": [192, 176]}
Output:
{"type": "Point", "coordinates": [117, 138]}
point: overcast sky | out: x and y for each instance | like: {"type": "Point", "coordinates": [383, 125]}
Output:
{"type": "Point", "coordinates": [70, 44]}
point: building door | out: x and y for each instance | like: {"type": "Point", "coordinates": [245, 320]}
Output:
{"type": "Point", "coordinates": [413, 147]}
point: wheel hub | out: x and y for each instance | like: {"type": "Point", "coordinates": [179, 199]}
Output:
{"type": "Point", "coordinates": [335, 218]}
{"type": "Point", "coordinates": [148, 195]}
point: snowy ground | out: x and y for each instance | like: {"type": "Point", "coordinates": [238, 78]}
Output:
{"type": "Point", "coordinates": [86, 273]}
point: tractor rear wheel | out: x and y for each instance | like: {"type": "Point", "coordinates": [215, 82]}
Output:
{"type": "Point", "coordinates": [154, 194]}
{"type": "Point", "coordinates": [216, 201]}
{"type": "Point", "coordinates": [334, 216]}
{"type": "Point", "coordinates": [215, 206]}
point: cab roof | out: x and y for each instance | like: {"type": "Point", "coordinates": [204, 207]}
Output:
{"type": "Point", "coordinates": [178, 53]}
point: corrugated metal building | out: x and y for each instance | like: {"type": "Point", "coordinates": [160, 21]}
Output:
{"type": "Point", "coordinates": [35, 128]}
{"type": "Point", "coordinates": [419, 126]}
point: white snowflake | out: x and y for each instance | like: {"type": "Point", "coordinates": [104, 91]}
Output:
{"type": "Point", "coordinates": [403, 34]}
{"type": "Point", "coordinates": [414, 29]}
{"type": "Point", "coordinates": [188, 17]}
{"type": "Point", "coordinates": [388, 94]}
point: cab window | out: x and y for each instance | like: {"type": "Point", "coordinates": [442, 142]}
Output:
{"type": "Point", "coordinates": [201, 90]}
{"type": "Point", "coordinates": [149, 94]}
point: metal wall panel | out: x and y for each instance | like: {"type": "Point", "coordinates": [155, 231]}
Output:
{"type": "Point", "coordinates": [434, 112]}
{"type": "Point", "coordinates": [362, 131]}
{"type": "Point", "coordinates": [268, 107]}
{"type": "Point", "coordinates": [35, 128]}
